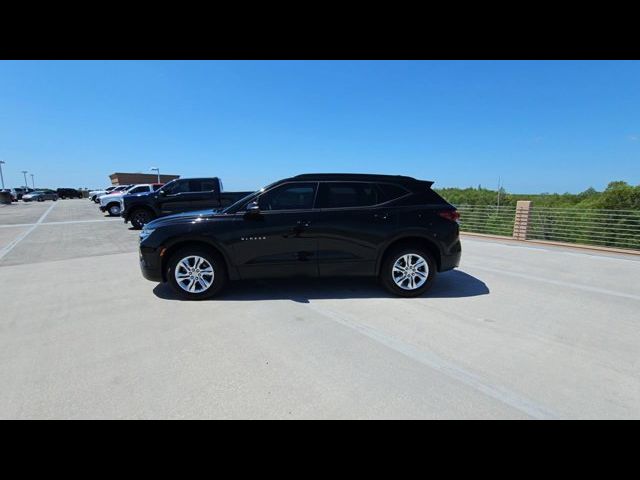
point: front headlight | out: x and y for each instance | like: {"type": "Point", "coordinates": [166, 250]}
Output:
{"type": "Point", "coordinates": [146, 232]}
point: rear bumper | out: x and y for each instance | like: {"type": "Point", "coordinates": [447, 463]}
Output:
{"type": "Point", "coordinates": [103, 209]}
{"type": "Point", "coordinates": [449, 262]}
{"type": "Point", "coordinates": [452, 259]}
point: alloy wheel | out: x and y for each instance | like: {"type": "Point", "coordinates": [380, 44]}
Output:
{"type": "Point", "coordinates": [194, 274]}
{"type": "Point", "coordinates": [410, 271]}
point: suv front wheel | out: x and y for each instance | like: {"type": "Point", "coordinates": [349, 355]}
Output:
{"type": "Point", "coordinates": [408, 271]}
{"type": "Point", "coordinates": [113, 209]}
{"type": "Point", "coordinates": [196, 273]}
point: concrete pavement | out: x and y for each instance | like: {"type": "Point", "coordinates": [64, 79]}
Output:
{"type": "Point", "coordinates": [516, 332]}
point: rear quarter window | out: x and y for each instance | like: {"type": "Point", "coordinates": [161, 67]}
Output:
{"type": "Point", "coordinates": [390, 191]}
{"type": "Point", "coordinates": [424, 196]}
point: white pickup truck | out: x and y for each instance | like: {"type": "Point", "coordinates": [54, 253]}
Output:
{"type": "Point", "coordinates": [112, 202]}
{"type": "Point", "coordinates": [94, 195]}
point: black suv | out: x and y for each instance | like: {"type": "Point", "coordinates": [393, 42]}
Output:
{"type": "Point", "coordinates": [68, 193]}
{"type": "Point", "coordinates": [312, 225]}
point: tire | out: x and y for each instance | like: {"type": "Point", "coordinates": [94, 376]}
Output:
{"type": "Point", "coordinates": [140, 217]}
{"type": "Point", "coordinates": [113, 209]}
{"type": "Point", "coordinates": [196, 288]}
{"type": "Point", "coordinates": [414, 285]}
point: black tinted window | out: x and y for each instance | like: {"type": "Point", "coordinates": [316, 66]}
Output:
{"type": "Point", "coordinates": [156, 187]}
{"type": "Point", "coordinates": [291, 196]}
{"type": "Point", "coordinates": [390, 191]}
{"type": "Point", "coordinates": [177, 187]}
{"type": "Point", "coordinates": [424, 197]}
{"type": "Point", "coordinates": [345, 194]}
{"type": "Point", "coordinates": [208, 185]}
{"type": "Point", "coordinates": [139, 190]}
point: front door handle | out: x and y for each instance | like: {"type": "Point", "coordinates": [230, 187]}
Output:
{"type": "Point", "coordinates": [304, 223]}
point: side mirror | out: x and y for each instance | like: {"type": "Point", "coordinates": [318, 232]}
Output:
{"type": "Point", "coordinates": [162, 193]}
{"type": "Point", "coordinates": [253, 208]}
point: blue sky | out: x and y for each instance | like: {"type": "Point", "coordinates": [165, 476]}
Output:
{"type": "Point", "coordinates": [550, 126]}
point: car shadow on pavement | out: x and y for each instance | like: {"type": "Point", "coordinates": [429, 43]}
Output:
{"type": "Point", "coordinates": [452, 284]}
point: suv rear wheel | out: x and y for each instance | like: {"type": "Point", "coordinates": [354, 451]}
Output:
{"type": "Point", "coordinates": [196, 273]}
{"type": "Point", "coordinates": [140, 217]}
{"type": "Point", "coordinates": [408, 271]}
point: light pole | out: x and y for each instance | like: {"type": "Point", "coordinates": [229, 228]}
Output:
{"type": "Point", "coordinates": [26, 185]}
{"type": "Point", "coordinates": [157, 170]}
{"type": "Point", "coordinates": [1, 176]}
{"type": "Point", "coordinates": [33, 184]}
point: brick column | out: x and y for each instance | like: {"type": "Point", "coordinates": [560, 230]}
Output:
{"type": "Point", "coordinates": [523, 209]}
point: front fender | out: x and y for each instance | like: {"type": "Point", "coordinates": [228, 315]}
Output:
{"type": "Point", "coordinates": [173, 244]}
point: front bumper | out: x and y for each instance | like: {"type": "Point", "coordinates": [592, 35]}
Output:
{"type": "Point", "coordinates": [103, 208]}
{"type": "Point", "coordinates": [151, 264]}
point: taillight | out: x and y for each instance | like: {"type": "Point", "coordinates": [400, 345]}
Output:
{"type": "Point", "coordinates": [452, 215]}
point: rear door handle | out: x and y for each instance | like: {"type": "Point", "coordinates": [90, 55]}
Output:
{"type": "Point", "coordinates": [381, 216]}
{"type": "Point", "coordinates": [304, 223]}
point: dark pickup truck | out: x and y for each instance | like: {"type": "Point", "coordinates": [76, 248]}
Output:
{"type": "Point", "coordinates": [180, 195]}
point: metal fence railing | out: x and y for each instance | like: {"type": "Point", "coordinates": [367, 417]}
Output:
{"type": "Point", "coordinates": [610, 228]}
{"type": "Point", "coordinates": [488, 219]}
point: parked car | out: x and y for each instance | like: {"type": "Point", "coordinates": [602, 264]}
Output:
{"type": "Point", "coordinates": [64, 193]}
{"type": "Point", "coordinates": [94, 193]}
{"type": "Point", "coordinates": [180, 195]}
{"type": "Point", "coordinates": [20, 191]}
{"type": "Point", "coordinates": [11, 193]}
{"type": "Point", "coordinates": [40, 196]}
{"type": "Point", "coordinates": [112, 202]}
{"type": "Point", "coordinates": [393, 227]}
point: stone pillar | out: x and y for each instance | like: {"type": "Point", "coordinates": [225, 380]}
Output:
{"type": "Point", "coordinates": [521, 224]}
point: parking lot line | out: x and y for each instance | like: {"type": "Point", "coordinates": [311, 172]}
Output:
{"type": "Point", "coordinates": [70, 222]}
{"type": "Point", "coordinates": [23, 235]}
{"type": "Point", "coordinates": [430, 359]}
{"type": "Point", "coordinates": [551, 281]}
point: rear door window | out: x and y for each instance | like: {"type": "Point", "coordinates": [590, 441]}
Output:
{"type": "Point", "coordinates": [208, 186]}
{"type": "Point", "coordinates": [200, 185]}
{"type": "Point", "coordinates": [348, 194]}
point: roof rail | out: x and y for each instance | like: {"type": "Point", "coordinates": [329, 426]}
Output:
{"type": "Point", "coordinates": [334, 176]}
